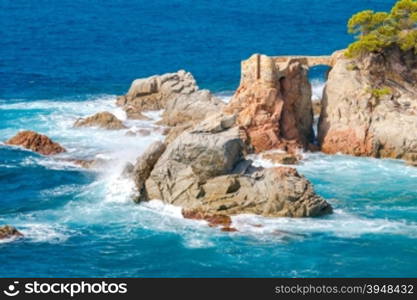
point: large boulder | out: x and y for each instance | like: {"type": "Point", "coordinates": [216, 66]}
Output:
{"type": "Point", "coordinates": [103, 120]}
{"type": "Point", "coordinates": [154, 92]}
{"type": "Point", "coordinates": [36, 142]}
{"type": "Point", "coordinates": [273, 192]}
{"type": "Point", "coordinates": [184, 104]}
{"type": "Point", "coordinates": [370, 106]}
{"type": "Point", "coordinates": [273, 103]}
{"type": "Point", "coordinates": [204, 172]}
{"type": "Point", "coordinates": [7, 232]}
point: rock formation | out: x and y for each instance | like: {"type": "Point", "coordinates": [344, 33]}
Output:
{"type": "Point", "coordinates": [36, 142]}
{"type": "Point", "coordinates": [177, 93]}
{"type": "Point", "coordinates": [204, 172]}
{"type": "Point", "coordinates": [103, 120]}
{"type": "Point", "coordinates": [7, 232]}
{"type": "Point", "coordinates": [154, 92]}
{"type": "Point", "coordinates": [144, 166]}
{"type": "Point", "coordinates": [370, 106]}
{"type": "Point", "coordinates": [273, 103]}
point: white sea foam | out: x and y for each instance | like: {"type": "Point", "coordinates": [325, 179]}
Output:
{"type": "Point", "coordinates": [317, 87]}
{"type": "Point", "coordinates": [225, 96]}
{"type": "Point", "coordinates": [340, 224]}
{"type": "Point", "coordinates": [40, 233]}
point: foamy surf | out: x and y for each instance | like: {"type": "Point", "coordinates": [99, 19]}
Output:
{"type": "Point", "coordinates": [339, 224]}
{"type": "Point", "coordinates": [317, 88]}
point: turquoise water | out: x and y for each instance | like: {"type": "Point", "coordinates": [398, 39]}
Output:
{"type": "Point", "coordinates": [67, 59]}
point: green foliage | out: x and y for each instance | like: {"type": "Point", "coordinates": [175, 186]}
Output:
{"type": "Point", "coordinates": [379, 93]}
{"type": "Point", "coordinates": [378, 30]}
{"type": "Point", "coordinates": [368, 43]}
{"type": "Point", "coordinates": [408, 41]}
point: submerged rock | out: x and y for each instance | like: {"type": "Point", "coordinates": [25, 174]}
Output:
{"type": "Point", "coordinates": [36, 142]}
{"type": "Point", "coordinates": [104, 120]}
{"type": "Point", "coordinates": [273, 103]}
{"type": "Point", "coordinates": [216, 220]}
{"type": "Point", "coordinates": [203, 170]}
{"type": "Point", "coordinates": [139, 132]}
{"type": "Point", "coordinates": [370, 106]}
{"type": "Point", "coordinates": [89, 163]}
{"type": "Point", "coordinates": [7, 232]}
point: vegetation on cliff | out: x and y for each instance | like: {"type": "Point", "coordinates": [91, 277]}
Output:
{"type": "Point", "coordinates": [378, 30]}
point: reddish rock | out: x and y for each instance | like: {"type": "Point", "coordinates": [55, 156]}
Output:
{"type": "Point", "coordinates": [213, 219]}
{"type": "Point", "coordinates": [36, 142]}
{"type": "Point", "coordinates": [7, 232]}
{"type": "Point", "coordinates": [273, 103]}
{"type": "Point", "coordinates": [348, 141]}
{"type": "Point", "coordinates": [229, 229]}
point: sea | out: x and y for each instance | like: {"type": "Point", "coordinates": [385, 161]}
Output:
{"type": "Point", "coordinates": [62, 60]}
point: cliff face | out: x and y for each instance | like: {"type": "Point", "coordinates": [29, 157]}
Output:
{"type": "Point", "coordinates": [369, 106]}
{"type": "Point", "coordinates": [273, 103]}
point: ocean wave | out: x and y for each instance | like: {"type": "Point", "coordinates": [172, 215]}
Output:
{"type": "Point", "coordinates": [225, 96]}
{"type": "Point", "coordinates": [339, 224]}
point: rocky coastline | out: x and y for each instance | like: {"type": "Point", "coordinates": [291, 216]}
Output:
{"type": "Point", "coordinates": [369, 108]}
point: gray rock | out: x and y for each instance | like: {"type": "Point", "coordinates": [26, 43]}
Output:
{"type": "Point", "coordinates": [144, 166]}
{"type": "Point", "coordinates": [203, 170]}
{"type": "Point", "coordinates": [154, 92]}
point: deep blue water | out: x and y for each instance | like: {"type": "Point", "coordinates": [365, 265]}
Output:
{"type": "Point", "coordinates": [60, 60]}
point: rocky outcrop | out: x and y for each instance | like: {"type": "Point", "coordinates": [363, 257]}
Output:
{"type": "Point", "coordinates": [154, 92]}
{"type": "Point", "coordinates": [36, 142]}
{"type": "Point", "coordinates": [370, 106]}
{"type": "Point", "coordinates": [273, 103]}
{"type": "Point", "coordinates": [177, 93]}
{"type": "Point", "coordinates": [144, 166]}
{"type": "Point", "coordinates": [8, 232]}
{"type": "Point", "coordinates": [103, 120]}
{"type": "Point", "coordinates": [204, 172]}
